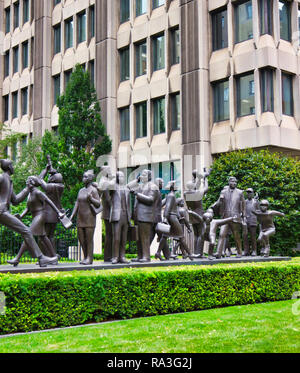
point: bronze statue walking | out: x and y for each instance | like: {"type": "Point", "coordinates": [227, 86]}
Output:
{"type": "Point", "coordinates": [85, 208]}
{"type": "Point", "coordinates": [250, 246]}
{"type": "Point", "coordinates": [36, 203]}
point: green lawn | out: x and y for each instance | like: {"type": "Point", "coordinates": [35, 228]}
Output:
{"type": "Point", "coordinates": [267, 327]}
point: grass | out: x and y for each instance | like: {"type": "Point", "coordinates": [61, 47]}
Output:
{"type": "Point", "coordinates": [259, 328]}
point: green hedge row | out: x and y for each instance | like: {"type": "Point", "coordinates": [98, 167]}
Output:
{"type": "Point", "coordinates": [48, 300]}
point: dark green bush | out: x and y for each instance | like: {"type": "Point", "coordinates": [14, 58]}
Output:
{"type": "Point", "coordinates": [42, 301]}
{"type": "Point", "coordinates": [274, 177]}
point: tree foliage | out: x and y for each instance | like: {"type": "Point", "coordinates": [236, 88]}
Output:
{"type": "Point", "coordinates": [274, 177]}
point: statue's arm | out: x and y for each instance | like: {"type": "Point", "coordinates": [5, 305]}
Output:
{"type": "Point", "coordinates": [147, 200]}
{"type": "Point", "coordinates": [94, 199]}
{"type": "Point", "coordinates": [75, 210]}
{"type": "Point", "coordinates": [24, 213]}
{"type": "Point", "coordinates": [277, 213]}
{"type": "Point", "coordinates": [46, 199]}
{"type": "Point", "coordinates": [17, 199]}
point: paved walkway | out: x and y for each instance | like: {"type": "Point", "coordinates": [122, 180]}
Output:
{"type": "Point", "coordinates": [66, 267]}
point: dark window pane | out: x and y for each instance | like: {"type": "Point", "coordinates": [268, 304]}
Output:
{"type": "Point", "coordinates": [245, 95]}
{"type": "Point", "coordinates": [175, 112]}
{"type": "Point", "coordinates": [56, 88]}
{"type": "Point", "coordinates": [124, 64]}
{"type": "Point", "coordinates": [81, 21]}
{"type": "Point", "coordinates": [220, 30]}
{"type": "Point", "coordinates": [16, 59]}
{"type": "Point", "coordinates": [124, 124]}
{"type": "Point", "coordinates": [69, 33]}
{"type": "Point", "coordinates": [285, 20]}
{"type": "Point", "coordinates": [15, 105]}
{"type": "Point", "coordinates": [16, 15]}
{"type": "Point", "coordinates": [24, 98]}
{"type": "Point", "coordinates": [243, 22]}
{"type": "Point", "coordinates": [159, 118]}
{"type": "Point", "coordinates": [5, 108]}
{"type": "Point", "coordinates": [141, 59]}
{"type": "Point", "coordinates": [267, 91]}
{"type": "Point", "coordinates": [266, 16]}
{"type": "Point", "coordinates": [124, 10]}
{"type": "Point", "coordinates": [221, 101]}
{"type": "Point", "coordinates": [25, 55]}
{"type": "Point", "coordinates": [141, 120]}
{"type": "Point", "coordinates": [57, 39]}
{"type": "Point", "coordinates": [158, 52]}
{"type": "Point", "coordinates": [92, 21]}
{"type": "Point", "coordinates": [7, 20]}
{"type": "Point", "coordinates": [157, 3]}
{"type": "Point", "coordinates": [25, 11]}
{"type": "Point", "coordinates": [141, 7]}
{"type": "Point", "coordinates": [6, 64]}
{"type": "Point", "coordinates": [175, 47]}
{"type": "Point", "coordinates": [287, 95]}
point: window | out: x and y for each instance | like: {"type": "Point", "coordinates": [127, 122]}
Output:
{"type": "Point", "coordinates": [221, 101]}
{"type": "Point", "coordinates": [243, 22]}
{"type": "Point", "coordinates": [57, 39]}
{"type": "Point", "coordinates": [266, 90]}
{"type": "Point", "coordinates": [299, 24]}
{"type": "Point", "coordinates": [124, 124]}
{"type": "Point", "coordinates": [24, 98]}
{"type": "Point", "coordinates": [81, 30]}
{"type": "Point", "coordinates": [6, 64]}
{"type": "Point", "coordinates": [285, 19]}
{"type": "Point", "coordinates": [25, 11]}
{"type": "Point", "coordinates": [245, 95]}
{"type": "Point", "coordinates": [15, 105]}
{"type": "Point", "coordinates": [16, 15]}
{"type": "Point", "coordinates": [55, 2]}
{"type": "Point", "coordinates": [157, 3]}
{"type": "Point", "coordinates": [56, 88]}
{"type": "Point", "coordinates": [124, 64]}
{"type": "Point", "coordinates": [7, 20]}
{"type": "Point", "coordinates": [219, 30]}
{"type": "Point", "coordinates": [159, 118]}
{"type": "Point", "coordinates": [141, 119]}
{"type": "Point", "coordinates": [158, 52]}
{"type": "Point", "coordinates": [67, 76]}
{"type": "Point", "coordinates": [175, 47]}
{"type": "Point", "coordinates": [141, 7]}
{"type": "Point", "coordinates": [287, 95]}
{"type": "Point", "coordinates": [124, 10]}
{"type": "Point", "coordinates": [25, 55]}
{"type": "Point", "coordinates": [15, 60]}
{"type": "Point", "coordinates": [91, 68]}
{"type": "Point", "coordinates": [69, 33]}
{"type": "Point", "coordinates": [5, 108]}
{"type": "Point", "coordinates": [92, 21]}
{"type": "Point", "coordinates": [266, 16]}
{"type": "Point", "coordinates": [175, 112]}
{"type": "Point", "coordinates": [141, 59]}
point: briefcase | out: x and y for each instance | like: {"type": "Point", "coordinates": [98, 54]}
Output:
{"type": "Point", "coordinates": [66, 222]}
{"type": "Point", "coordinates": [132, 234]}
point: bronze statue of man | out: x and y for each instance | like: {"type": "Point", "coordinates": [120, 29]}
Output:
{"type": "Point", "coordinates": [267, 227]}
{"type": "Point", "coordinates": [103, 189]}
{"type": "Point", "coordinates": [120, 215]}
{"type": "Point", "coordinates": [144, 212]}
{"type": "Point", "coordinates": [231, 204]}
{"type": "Point", "coordinates": [251, 221]}
{"type": "Point", "coordinates": [7, 196]}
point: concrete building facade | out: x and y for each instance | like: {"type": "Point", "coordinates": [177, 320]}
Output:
{"type": "Point", "coordinates": [179, 81]}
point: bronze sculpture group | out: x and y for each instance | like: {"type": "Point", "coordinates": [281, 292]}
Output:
{"type": "Point", "coordinates": [152, 216]}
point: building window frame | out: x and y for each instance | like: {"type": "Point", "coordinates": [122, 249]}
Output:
{"type": "Point", "coordinates": [285, 33]}
{"type": "Point", "coordinates": [141, 119]}
{"type": "Point", "coordinates": [219, 39]}
{"type": "Point", "coordinates": [81, 27]}
{"type": "Point", "coordinates": [158, 52]}
{"type": "Point", "coordinates": [140, 58]}
{"type": "Point", "coordinates": [124, 58]}
{"type": "Point", "coordinates": [159, 115]}
{"type": "Point", "coordinates": [266, 76]}
{"type": "Point", "coordinates": [124, 11]}
{"type": "Point", "coordinates": [175, 109]}
{"type": "Point", "coordinates": [57, 39]}
{"type": "Point", "coordinates": [237, 23]}
{"type": "Point", "coordinates": [242, 96]}
{"type": "Point", "coordinates": [124, 114]}
{"type": "Point", "coordinates": [220, 97]}
{"type": "Point", "coordinates": [287, 92]}
{"type": "Point", "coordinates": [69, 33]}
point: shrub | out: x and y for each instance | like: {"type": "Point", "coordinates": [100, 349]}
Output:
{"type": "Point", "coordinates": [42, 301]}
{"type": "Point", "coordinates": [274, 177]}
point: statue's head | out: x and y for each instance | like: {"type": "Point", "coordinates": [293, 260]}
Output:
{"type": "Point", "coordinates": [190, 185]}
{"type": "Point", "coordinates": [232, 181]}
{"type": "Point", "coordinates": [208, 215]}
{"type": "Point", "coordinates": [146, 176]}
{"type": "Point", "coordinates": [56, 178]}
{"type": "Point", "coordinates": [180, 202]}
{"type": "Point", "coordinates": [159, 182]}
{"type": "Point", "coordinates": [88, 177]}
{"type": "Point", "coordinates": [250, 193]}
{"type": "Point", "coordinates": [7, 166]}
{"type": "Point", "coordinates": [33, 181]}
{"type": "Point", "coordinates": [264, 205]}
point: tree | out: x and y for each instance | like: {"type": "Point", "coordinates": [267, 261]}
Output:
{"type": "Point", "coordinates": [274, 177]}
{"type": "Point", "coordinates": [81, 135]}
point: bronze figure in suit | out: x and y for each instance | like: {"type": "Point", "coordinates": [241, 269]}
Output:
{"type": "Point", "coordinates": [120, 216]}
{"type": "Point", "coordinates": [85, 208]}
{"type": "Point", "coordinates": [144, 212]}
{"type": "Point", "coordinates": [251, 221]}
{"type": "Point", "coordinates": [36, 204]}
{"type": "Point", "coordinates": [231, 204]}
{"type": "Point", "coordinates": [104, 193]}
{"type": "Point", "coordinates": [7, 196]}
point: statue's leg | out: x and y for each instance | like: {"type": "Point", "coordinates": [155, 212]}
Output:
{"type": "Point", "coordinates": [90, 244]}
{"type": "Point", "coordinates": [222, 240]}
{"type": "Point", "coordinates": [123, 241]}
{"type": "Point", "coordinates": [108, 241]}
{"type": "Point", "coordinates": [246, 231]}
{"type": "Point", "coordinates": [82, 241]}
{"type": "Point", "coordinates": [116, 236]}
{"type": "Point", "coordinates": [236, 227]}
{"type": "Point", "coordinates": [252, 230]}
{"type": "Point", "coordinates": [50, 231]}
{"type": "Point", "coordinates": [145, 230]}
{"type": "Point", "coordinates": [45, 241]}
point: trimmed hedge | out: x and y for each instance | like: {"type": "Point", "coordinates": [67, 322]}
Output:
{"type": "Point", "coordinates": [55, 299]}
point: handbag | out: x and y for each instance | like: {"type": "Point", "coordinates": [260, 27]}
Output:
{"type": "Point", "coordinates": [163, 228]}
{"type": "Point", "coordinates": [66, 222]}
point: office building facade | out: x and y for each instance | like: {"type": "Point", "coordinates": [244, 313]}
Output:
{"type": "Point", "coordinates": [179, 81]}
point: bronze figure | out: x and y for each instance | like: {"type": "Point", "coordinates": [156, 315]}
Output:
{"type": "Point", "coordinates": [87, 201]}
{"type": "Point", "coordinates": [120, 216]}
{"type": "Point", "coordinates": [251, 221]}
{"type": "Point", "coordinates": [36, 203]}
{"type": "Point", "coordinates": [7, 196]}
{"type": "Point", "coordinates": [267, 227]}
{"type": "Point", "coordinates": [231, 204]}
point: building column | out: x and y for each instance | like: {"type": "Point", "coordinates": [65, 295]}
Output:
{"type": "Point", "coordinates": [43, 90]}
